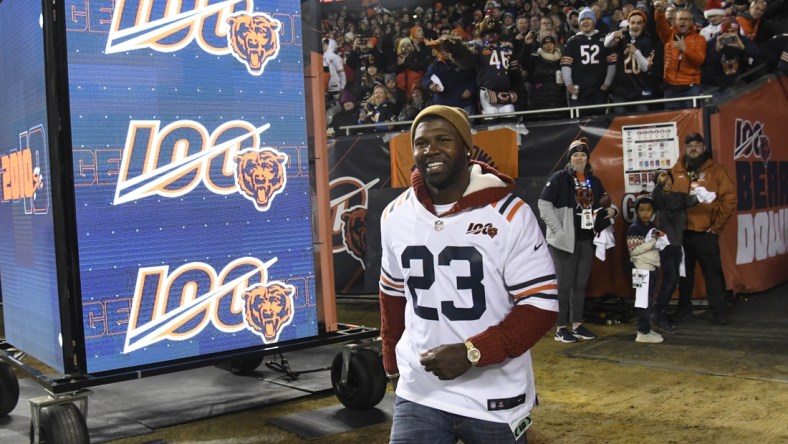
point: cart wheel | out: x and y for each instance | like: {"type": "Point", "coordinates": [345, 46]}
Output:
{"type": "Point", "coordinates": [9, 389]}
{"type": "Point", "coordinates": [247, 365]}
{"type": "Point", "coordinates": [62, 424]}
{"type": "Point", "coordinates": [366, 380]}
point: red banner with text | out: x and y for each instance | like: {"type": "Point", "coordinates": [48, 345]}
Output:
{"type": "Point", "coordinates": [749, 135]}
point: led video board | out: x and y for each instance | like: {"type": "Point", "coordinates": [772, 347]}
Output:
{"type": "Point", "coordinates": [31, 310]}
{"type": "Point", "coordinates": [191, 177]}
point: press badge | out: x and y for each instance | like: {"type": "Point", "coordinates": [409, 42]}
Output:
{"type": "Point", "coordinates": [586, 219]}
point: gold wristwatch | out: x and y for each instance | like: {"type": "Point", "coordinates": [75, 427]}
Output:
{"type": "Point", "coordinates": [474, 355]}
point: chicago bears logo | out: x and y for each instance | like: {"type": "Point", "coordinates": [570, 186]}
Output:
{"type": "Point", "coordinates": [260, 175]}
{"type": "Point", "coordinates": [268, 309]}
{"type": "Point", "coordinates": [254, 39]}
{"type": "Point", "coordinates": [354, 232]}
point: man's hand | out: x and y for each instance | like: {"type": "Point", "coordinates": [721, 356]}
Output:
{"type": "Point", "coordinates": [446, 361]}
{"type": "Point", "coordinates": [680, 44]}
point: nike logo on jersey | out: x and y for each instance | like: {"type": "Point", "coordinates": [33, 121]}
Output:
{"type": "Point", "coordinates": [538, 246]}
{"type": "Point", "coordinates": [488, 229]}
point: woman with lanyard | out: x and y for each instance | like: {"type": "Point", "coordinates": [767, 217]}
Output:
{"type": "Point", "coordinates": [568, 205]}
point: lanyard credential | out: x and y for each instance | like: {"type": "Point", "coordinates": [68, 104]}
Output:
{"type": "Point", "coordinates": [585, 200]}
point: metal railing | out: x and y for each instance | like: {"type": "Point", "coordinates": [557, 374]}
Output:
{"type": "Point", "coordinates": [574, 112]}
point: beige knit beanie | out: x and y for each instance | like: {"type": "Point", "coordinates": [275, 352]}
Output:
{"type": "Point", "coordinates": [456, 116]}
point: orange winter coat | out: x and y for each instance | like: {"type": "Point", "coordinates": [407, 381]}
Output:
{"type": "Point", "coordinates": [681, 68]}
{"type": "Point", "coordinates": [712, 176]}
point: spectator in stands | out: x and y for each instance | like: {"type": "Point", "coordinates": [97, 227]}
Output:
{"type": "Point", "coordinates": [714, 14]}
{"type": "Point", "coordinates": [398, 96]}
{"type": "Point", "coordinates": [348, 116]}
{"type": "Point", "coordinates": [365, 83]}
{"type": "Point", "coordinates": [670, 15]}
{"type": "Point", "coordinates": [587, 65]}
{"type": "Point", "coordinates": [750, 21]}
{"type": "Point", "coordinates": [451, 78]}
{"type": "Point", "coordinates": [416, 62]}
{"type": "Point", "coordinates": [536, 23]}
{"type": "Point", "coordinates": [694, 7]}
{"type": "Point", "coordinates": [363, 54]}
{"type": "Point", "coordinates": [685, 51]}
{"type": "Point", "coordinates": [496, 93]}
{"type": "Point", "coordinates": [740, 7]}
{"type": "Point", "coordinates": [567, 206]}
{"type": "Point", "coordinates": [336, 71]}
{"type": "Point", "coordinates": [508, 28]}
{"type": "Point", "coordinates": [774, 21]}
{"type": "Point", "coordinates": [378, 109]}
{"type": "Point", "coordinates": [705, 221]}
{"type": "Point", "coordinates": [573, 22]}
{"type": "Point", "coordinates": [522, 48]}
{"type": "Point", "coordinates": [635, 55]}
{"type": "Point", "coordinates": [547, 27]}
{"type": "Point", "coordinates": [544, 75]}
{"type": "Point", "coordinates": [602, 20]}
{"type": "Point", "coordinates": [404, 49]}
{"type": "Point", "coordinates": [414, 105]}
{"type": "Point", "coordinates": [727, 56]}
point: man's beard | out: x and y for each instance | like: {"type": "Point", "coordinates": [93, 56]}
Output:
{"type": "Point", "coordinates": [693, 164]}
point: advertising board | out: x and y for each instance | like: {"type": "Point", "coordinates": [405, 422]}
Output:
{"type": "Point", "coordinates": [191, 174]}
{"type": "Point", "coordinates": [31, 309]}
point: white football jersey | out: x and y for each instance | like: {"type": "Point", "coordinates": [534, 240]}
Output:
{"type": "Point", "coordinates": [462, 274]}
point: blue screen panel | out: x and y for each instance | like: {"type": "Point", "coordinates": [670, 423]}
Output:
{"type": "Point", "coordinates": [191, 177]}
{"type": "Point", "coordinates": [27, 247]}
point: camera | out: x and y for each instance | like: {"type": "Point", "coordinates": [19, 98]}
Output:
{"type": "Point", "coordinates": [727, 40]}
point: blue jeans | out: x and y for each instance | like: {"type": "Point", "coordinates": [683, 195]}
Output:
{"type": "Point", "coordinates": [418, 424]}
{"type": "Point", "coordinates": [672, 93]}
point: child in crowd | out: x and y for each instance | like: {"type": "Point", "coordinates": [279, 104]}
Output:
{"type": "Point", "coordinates": [671, 207]}
{"type": "Point", "coordinates": [642, 237]}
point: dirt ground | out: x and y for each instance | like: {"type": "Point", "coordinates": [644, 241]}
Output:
{"type": "Point", "coordinates": [581, 401]}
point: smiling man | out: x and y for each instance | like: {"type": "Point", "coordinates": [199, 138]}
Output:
{"type": "Point", "coordinates": [467, 287]}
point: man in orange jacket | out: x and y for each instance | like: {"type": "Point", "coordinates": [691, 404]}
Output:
{"type": "Point", "coordinates": [705, 221]}
{"type": "Point", "coordinates": [685, 51]}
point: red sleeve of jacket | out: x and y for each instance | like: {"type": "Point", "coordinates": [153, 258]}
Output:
{"type": "Point", "coordinates": [392, 324]}
{"type": "Point", "coordinates": [515, 335]}
{"type": "Point", "coordinates": [663, 27]}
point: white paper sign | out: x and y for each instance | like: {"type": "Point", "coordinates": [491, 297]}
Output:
{"type": "Point", "coordinates": [640, 280]}
{"type": "Point", "coordinates": [647, 148]}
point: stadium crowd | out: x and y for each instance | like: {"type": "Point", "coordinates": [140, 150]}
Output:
{"type": "Point", "coordinates": [500, 56]}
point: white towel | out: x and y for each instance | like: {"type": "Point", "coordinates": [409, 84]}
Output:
{"type": "Point", "coordinates": [603, 241]}
{"type": "Point", "coordinates": [704, 195]}
{"type": "Point", "coordinates": [682, 266]}
{"type": "Point", "coordinates": [662, 241]}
